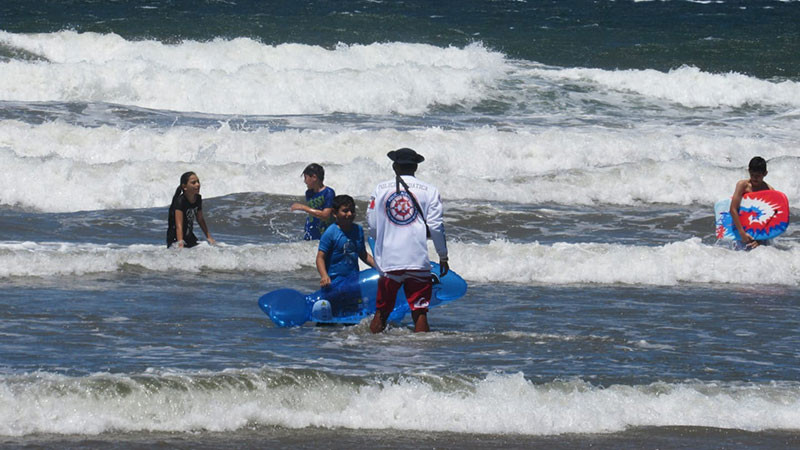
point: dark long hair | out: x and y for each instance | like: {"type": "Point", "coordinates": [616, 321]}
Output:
{"type": "Point", "coordinates": [184, 180]}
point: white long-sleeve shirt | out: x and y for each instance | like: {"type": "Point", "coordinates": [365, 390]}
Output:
{"type": "Point", "coordinates": [398, 229]}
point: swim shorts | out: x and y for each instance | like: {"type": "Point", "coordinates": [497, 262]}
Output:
{"type": "Point", "coordinates": [417, 285]}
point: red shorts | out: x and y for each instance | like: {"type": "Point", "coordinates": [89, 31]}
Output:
{"type": "Point", "coordinates": [417, 285]}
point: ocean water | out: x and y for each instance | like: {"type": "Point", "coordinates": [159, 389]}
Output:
{"type": "Point", "coordinates": [578, 146]}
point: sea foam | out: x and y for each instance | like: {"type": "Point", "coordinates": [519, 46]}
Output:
{"type": "Point", "coordinates": [61, 167]}
{"type": "Point", "coordinates": [682, 262]}
{"type": "Point", "coordinates": [687, 86]}
{"type": "Point", "coordinates": [29, 259]}
{"type": "Point", "coordinates": [243, 76]}
{"type": "Point", "coordinates": [498, 403]}
{"type": "Point", "coordinates": [499, 261]}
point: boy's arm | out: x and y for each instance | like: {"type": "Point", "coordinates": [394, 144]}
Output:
{"type": "Point", "coordinates": [323, 214]}
{"type": "Point", "coordinates": [324, 280]}
{"type": "Point", "coordinates": [367, 258]}
{"type": "Point", "coordinates": [362, 250]}
{"type": "Point", "coordinates": [327, 208]}
{"type": "Point", "coordinates": [736, 202]}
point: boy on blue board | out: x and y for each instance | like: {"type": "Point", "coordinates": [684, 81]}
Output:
{"type": "Point", "coordinates": [319, 202]}
{"type": "Point", "coordinates": [403, 213]}
{"type": "Point", "coordinates": [758, 170]}
{"type": "Point", "coordinates": [342, 244]}
{"type": "Point", "coordinates": [340, 247]}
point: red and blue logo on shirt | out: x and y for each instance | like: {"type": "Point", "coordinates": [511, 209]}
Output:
{"type": "Point", "coordinates": [400, 208]}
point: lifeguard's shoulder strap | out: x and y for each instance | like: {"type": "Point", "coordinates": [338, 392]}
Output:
{"type": "Point", "coordinates": [399, 181]}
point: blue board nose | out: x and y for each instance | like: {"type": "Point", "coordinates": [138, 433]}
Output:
{"type": "Point", "coordinates": [286, 307]}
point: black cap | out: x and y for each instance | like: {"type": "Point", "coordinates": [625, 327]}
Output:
{"type": "Point", "coordinates": [405, 156]}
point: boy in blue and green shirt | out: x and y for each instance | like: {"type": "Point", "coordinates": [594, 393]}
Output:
{"type": "Point", "coordinates": [319, 202]}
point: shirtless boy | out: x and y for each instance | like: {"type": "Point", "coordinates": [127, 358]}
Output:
{"type": "Point", "coordinates": [758, 170]}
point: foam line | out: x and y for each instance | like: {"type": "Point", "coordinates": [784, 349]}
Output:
{"type": "Point", "coordinates": [499, 403]}
{"type": "Point", "coordinates": [677, 263]}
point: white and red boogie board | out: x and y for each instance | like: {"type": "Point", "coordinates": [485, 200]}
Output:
{"type": "Point", "coordinates": [764, 215]}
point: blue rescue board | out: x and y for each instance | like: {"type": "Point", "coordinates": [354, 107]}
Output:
{"type": "Point", "coordinates": [350, 300]}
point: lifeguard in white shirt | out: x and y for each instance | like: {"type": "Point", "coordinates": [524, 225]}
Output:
{"type": "Point", "coordinates": [402, 214]}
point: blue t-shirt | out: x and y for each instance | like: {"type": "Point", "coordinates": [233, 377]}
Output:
{"type": "Point", "coordinates": [318, 200]}
{"type": "Point", "coordinates": [342, 249]}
